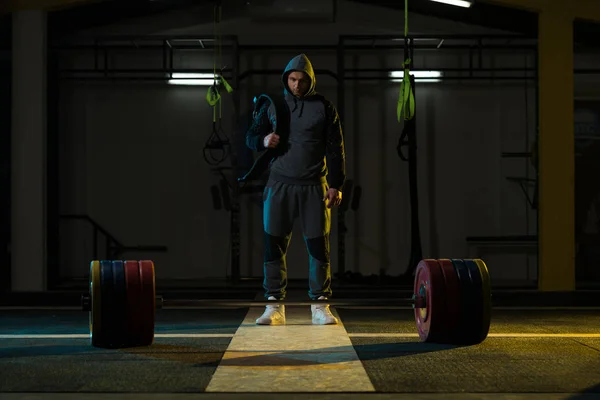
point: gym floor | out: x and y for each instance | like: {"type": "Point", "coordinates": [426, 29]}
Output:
{"type": "Point", "coordinates": [547, 353]}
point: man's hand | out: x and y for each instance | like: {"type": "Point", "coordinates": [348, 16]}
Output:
{"type": "Point", "coordinates": [333, 198]}
{"type": "Point", "coordinates": [271, 140]}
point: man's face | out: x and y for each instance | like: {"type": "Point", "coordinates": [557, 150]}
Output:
{"type": "Point", "coordinates": [299, 83]}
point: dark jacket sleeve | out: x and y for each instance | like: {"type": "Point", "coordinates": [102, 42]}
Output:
{"type": "Point", "coordinates": [261, 127]}
{"type": "Point", "coordinates": [336, 157]}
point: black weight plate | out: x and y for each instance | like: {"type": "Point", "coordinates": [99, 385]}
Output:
{"type": "Point", "coordinates": [119, 335]}
{"type": "Point", "coordinates": [468, 298]}
{"type": "Point", "coordinates": [112, 277]}
{"type": "Point", "coordinates": [453, 299]}
{"type": "Point", "coordinates": [476, 335]}
{"type": "Point", "coordinates": [108, 324]}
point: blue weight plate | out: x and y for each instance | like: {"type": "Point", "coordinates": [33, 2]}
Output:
{"type": "Point", "coordinates": [107, 324]}
{"type": "Point", "coordinates": [119, 334]}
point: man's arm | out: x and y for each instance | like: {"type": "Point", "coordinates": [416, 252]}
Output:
{"type": "Point", "coordinates": [336, 157]}
{"type": "Point", "coordinates": [261, 127]}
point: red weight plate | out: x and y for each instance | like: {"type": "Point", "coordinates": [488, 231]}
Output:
{"type": "Point", "coordinates": [134, 291]}
{"type": "Point", "coordinates": [453, 299]}
{"type": "Point", "coordinates": [429, 282]}
{"type": "Point", "coordinates": [147, 300]}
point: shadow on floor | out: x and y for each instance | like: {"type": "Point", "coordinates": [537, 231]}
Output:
{"type": "Point", "coordinates": [591, 392]}
{"type": "Point", "coordinates": [333, 356]}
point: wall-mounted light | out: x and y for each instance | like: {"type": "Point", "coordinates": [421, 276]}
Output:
{"type": "Point", "coordinates": [421, 76]}
{"type": "Point", "coordinates": [180, 78]}
{"type": "Point", "coordinates": [459, 3]}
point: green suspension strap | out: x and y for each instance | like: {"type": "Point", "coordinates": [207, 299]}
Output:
{"type": "Point", "coordinates": [219, 78]}
{"type": "Point", "coordinates": [406, 113]}
{"type": "Point", "coordinates": [215, 141]}
{"type": "Point", "coordinates": [406, 99]}
{"type": "Point", "coordinates": [213, 96]}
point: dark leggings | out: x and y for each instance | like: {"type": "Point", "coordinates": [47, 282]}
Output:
{"type": "Point", "coordinates": [275, 267]}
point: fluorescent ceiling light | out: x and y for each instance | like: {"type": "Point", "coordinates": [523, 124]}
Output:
{"type": "Point", "coordinates": [459, 3]}
{"type": "Point", "coordinates": [421, 76]}
{"type": "Point", "coordinates": [179, 78]}
{"type": "Point", "coordinates": [417, 74]}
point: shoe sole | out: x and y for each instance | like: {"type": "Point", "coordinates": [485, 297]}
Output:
{"type": "Point", "coordinates": [271, 323]}
{"type": "Point", "coordinates": [325, 323]}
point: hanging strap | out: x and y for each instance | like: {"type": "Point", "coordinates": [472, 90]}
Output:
{"type": "Point", "coordinates": [218, 140]}
{"type": "Point", "coordinates": [213, 95]}
{"type": "Point", "coordinates": [406, 99]}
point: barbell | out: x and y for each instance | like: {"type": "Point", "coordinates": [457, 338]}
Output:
{"type": "Point", "coordinates": [451, 301]}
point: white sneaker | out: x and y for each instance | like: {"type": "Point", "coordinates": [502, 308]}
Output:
{"type": "Point", "coordinates": [273, 315]}
{"type": "Point", "coordinates": [321, 315]}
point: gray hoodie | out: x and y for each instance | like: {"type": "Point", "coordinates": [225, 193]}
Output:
{"type": "Point", "coordinates": [314, 150]}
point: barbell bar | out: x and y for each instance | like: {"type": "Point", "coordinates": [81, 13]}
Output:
{"type": "Point", "coordinates": [451, 301]}
{"type": "Point", "coordinates": [160, 303]}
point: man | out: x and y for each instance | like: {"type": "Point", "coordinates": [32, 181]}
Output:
{"type": "Point", "coordinates": [305, 182]}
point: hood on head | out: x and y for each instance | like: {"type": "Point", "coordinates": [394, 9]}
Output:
{"type": "Point", "coordinates": [300, 63]}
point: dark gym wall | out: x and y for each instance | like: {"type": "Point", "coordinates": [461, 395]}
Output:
{"type": "Point", "coordinates": [52, 183]}
{"type": "Point", "coordinates": [165, 128]}
{"type": "Point", "coordinates": [5, 124]}
{"type": "Point", "coordinates": [5, 163]}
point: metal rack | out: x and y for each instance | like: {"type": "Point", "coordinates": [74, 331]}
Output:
{"type": "Point", "coordinates": [165, 48]}
{"type": "Point", "coordinates": [100, 50]}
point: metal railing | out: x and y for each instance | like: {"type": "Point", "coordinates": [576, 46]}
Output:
{"type": "Point", "coordinates": [114, 248]}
